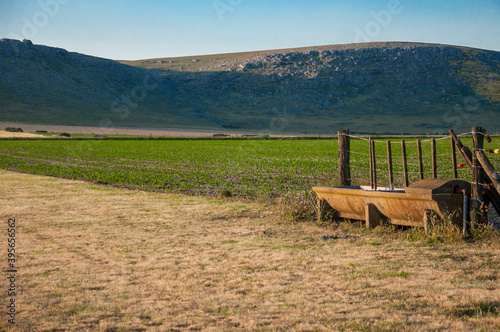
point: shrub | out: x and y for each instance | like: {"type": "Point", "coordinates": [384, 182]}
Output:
{"type": "Point", "coordinates": [226, 193]}
{"type": "Point", "coordinates": [13, 130]}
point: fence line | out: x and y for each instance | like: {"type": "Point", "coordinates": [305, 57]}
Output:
{"type": "Point", "coordinates": [383, 165]}
{"type": "Point", "coordinates": [436, 138]}
{"type": "Point", "coordinates": [415, 164]}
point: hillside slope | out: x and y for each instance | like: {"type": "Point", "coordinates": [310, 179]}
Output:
{"type": "Point", "coordinates": [370, 88]}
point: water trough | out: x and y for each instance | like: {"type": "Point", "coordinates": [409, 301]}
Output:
{"type": "Point", "coordinates": [417, 205]}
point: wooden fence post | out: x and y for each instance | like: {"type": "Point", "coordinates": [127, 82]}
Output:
{"type": "Point", "coordinates": [477, 210]}
{"type": "Point", "coordinates": [453, 157]}
{"type": "Point", "coordinates": [405, 163]}
{"type": "Point", "coordinates": [373, 165]}
{"type": "Point", "coordinates": [344, 161]}
{"type": "Point", "coordinates": [434, 158]}
{"type": "Point", "coordinates": [389, 165]}
{"type": "Point", "coordinates": [420, 163]}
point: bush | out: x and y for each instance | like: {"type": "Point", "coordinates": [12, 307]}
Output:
{"type": "Point", "coordinates": [226, 193]}
{"type": "Point", "coordinates": [13, 130]}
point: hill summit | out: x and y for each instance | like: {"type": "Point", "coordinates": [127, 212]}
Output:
{"type": "Point", "coordinates": [370, 88]}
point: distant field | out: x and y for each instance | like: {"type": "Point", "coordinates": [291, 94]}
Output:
{"type": "Point", "coordinates": [253, 169]}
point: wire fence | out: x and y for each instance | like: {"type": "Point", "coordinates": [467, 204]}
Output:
{"type": "Point", "coordinates": [399, 162]}
{"type": "Point", "coordinates": [418, 165]}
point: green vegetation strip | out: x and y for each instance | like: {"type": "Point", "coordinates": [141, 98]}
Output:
{"type": "Point", "coordinates": [254, 169]}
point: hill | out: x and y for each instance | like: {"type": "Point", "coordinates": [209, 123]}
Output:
{"type": "Point", "coordinates": [370, 88]}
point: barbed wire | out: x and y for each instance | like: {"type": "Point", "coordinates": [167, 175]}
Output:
{"type": "Point", "coordinates": [437, 138]}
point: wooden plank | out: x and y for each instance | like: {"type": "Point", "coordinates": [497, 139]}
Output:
{"type": "Point", "coordinates": [373, 164]}
{"type": "Point", "coordinates": [371, 161]}
{"type": "Point", "coordinates": [389, 165]}
{"type": "Point", "coordinates": [464, 151]}
{"type": "Point", "coordinates": [477, 212]}
{"type": "Point", "coordinates": [420, 163]}
{"type": "Point", "coordinates": [453, 157]}
{"type": "Point", "coordinates": [489, 169]}
{"type": "Point", "coordinates": [491, 194]}
{"type": "Point", "coordinates": [492, 180]}
{"type": "Point", "coordinates": [344, 158]}
{"type": "Point", "coordinates": [405, 163]}
{"type": "Point", "coordinates": [434, 158]}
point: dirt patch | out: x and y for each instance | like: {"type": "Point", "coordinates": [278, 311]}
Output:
{"type": "Point", "coordinates": [97, 258]}
{"type": "Point", "coordinates": [124, 131]}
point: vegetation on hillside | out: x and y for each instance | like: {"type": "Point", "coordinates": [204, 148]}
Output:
{"type": "Point", "coordinates": [371, 88]}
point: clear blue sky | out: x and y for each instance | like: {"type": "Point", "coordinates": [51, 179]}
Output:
{"type": "Point", "coordinates": [126, 29]}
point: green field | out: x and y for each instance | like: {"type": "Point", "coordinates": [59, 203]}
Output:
{"type": "Point", "coordinates": [253, 169]}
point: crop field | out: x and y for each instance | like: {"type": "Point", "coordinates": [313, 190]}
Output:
{"type": "Point", "coordinates": [252, 169]}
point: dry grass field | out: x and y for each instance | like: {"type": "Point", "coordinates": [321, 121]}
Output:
{"type": "Point", "coordinates": [108, 259]}
{"type": "Point", "coordinates": [6, 134]}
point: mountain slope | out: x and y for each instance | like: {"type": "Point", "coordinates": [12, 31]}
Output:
{"type": "Point", "coordinates": [372, 88]}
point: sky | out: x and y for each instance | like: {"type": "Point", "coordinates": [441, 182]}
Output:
{"type": "Point", "coordinates": [142, 29]}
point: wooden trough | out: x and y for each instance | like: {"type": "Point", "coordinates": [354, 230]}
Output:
{"type": "Point", "coordinates": [417, 205]}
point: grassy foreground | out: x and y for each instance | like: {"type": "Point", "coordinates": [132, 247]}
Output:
{"type": "Point", "coordinates": [108, 259]}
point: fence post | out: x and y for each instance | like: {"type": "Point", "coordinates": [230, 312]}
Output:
{"type": "Point", "coordinates": [373, 165]}
{"type": "Point", "coordinates": [344, 162]}
{"type": "Point", "coordinates": [420, 163]}
{"type": "Point", "coordinates": [434, 159]}
{"type": "Point", "coordinates": [405, 164]}
{"type": "Point", "coordinates": [453, 157]}
{"type": "Point", "coordinates": [389, 165]}
{"type": "Point", "coordinates": [478, 211]}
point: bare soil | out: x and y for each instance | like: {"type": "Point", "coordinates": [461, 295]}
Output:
{"type": "Point", "coordinates": [98, 258]}
{"type": "Point", "coordinates": [122, 131]}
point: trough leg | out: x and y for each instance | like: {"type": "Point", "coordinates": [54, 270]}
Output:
{"type": "Point", "coordinates": [373, 216]}
{"type": "Point", "coordinates": [430, 219]}
{"type": "Point", "coordinates": [325, 211]}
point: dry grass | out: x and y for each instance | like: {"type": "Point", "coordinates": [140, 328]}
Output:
{"type": "Point", "coordinates": [7, 134]}
{"type": "Point", "coordinates": [105, 259]}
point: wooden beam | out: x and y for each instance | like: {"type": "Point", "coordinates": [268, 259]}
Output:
{"type": "Point", "coordinates": [490, 194]}
{"type": "Point", "coordinates": [477, 210]}
{"type": "Point", "coordinates": [489, 169]}
{"type": "Point", "coordinates": [464, 151]}
{"type": "Point", "coordinates": [344, 158]}
{"type": "Point", "coordinates": [434, 158]}
{"type": "Point", "coordinates": [389, 165]}
{"type": "Point", "coordinates": [405, 163]}
{"type": "Point", "coordinates": [453, 157]}
{"type": "Point", "coordinates": [373, 165]}
{"type": "Point", "coordinates": [420, 163]}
